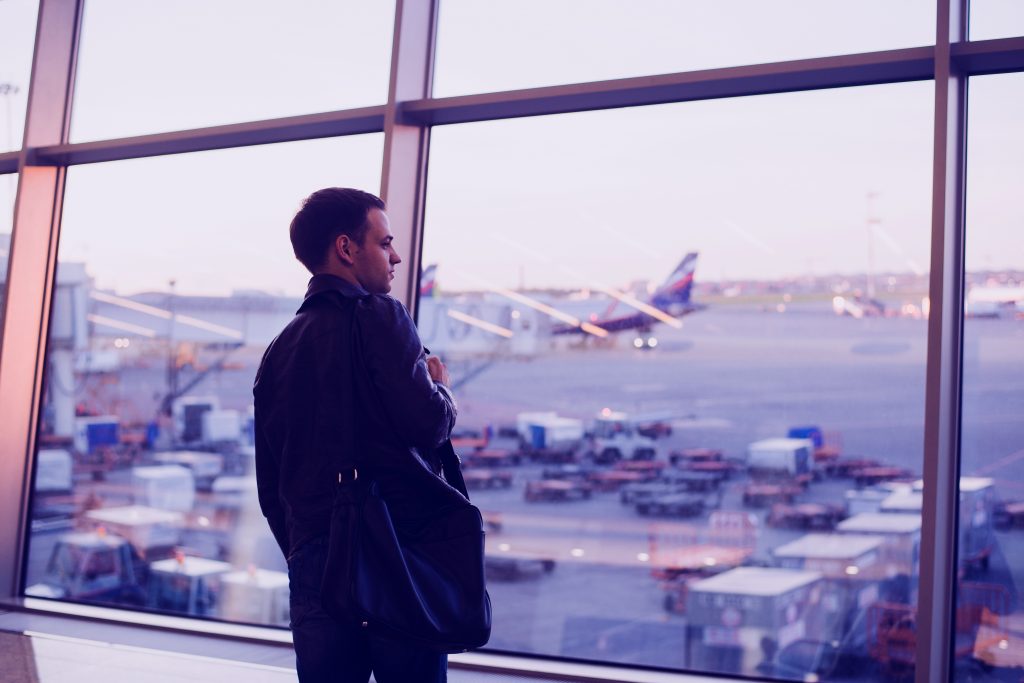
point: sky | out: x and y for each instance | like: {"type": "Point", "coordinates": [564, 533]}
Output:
{"type": "Point", "coordinates": [764, 187]}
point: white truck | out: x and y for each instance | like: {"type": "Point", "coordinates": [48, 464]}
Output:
{"type": "Point", "coordinates": [772, 457]}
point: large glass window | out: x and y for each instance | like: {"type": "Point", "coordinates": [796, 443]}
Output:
{"type": "Point", "coordinates": [150, 66]}
{"type": "Point", "coordinates": [996, 19]}
{"type": "Point", "coordinates": [990, 616]}
{"type": "Point", "coordinates": [174, 274]}
{"type": "Point", "coordinates": [492, 46]}
{"type": "Point", "coordinates": [17, 36]}
{"type": "Point", "coordinates": [688, 343]}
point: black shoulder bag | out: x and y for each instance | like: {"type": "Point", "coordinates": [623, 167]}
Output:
{"type": "Point", "coordinates": [422, 582]}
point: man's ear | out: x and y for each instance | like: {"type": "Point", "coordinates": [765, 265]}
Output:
{"type": "Point", "coordinates": [344, 248]}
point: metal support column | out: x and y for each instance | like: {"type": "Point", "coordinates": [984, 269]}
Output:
{"type": "Point", "coordinates": [406, 144]}
{"type": "Point", "coordinates": [936, 598]}
{"type": "Point", "coordinates": [33, 258]}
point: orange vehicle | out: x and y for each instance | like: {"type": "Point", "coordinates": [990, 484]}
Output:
{"type": "Point", "coordinates": [892, 627]}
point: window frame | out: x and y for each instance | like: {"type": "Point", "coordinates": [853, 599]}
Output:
{"type": "Point", "coordinates": [406, 121]}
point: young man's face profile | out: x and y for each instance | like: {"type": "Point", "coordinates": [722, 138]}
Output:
{"type": "Point", "coordinates": [373, 263]}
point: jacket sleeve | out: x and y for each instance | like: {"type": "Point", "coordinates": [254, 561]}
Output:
{"type": "Point", "coordinates": [422, 412]}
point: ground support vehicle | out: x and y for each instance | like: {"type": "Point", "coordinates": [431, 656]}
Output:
{"type": "Point", "coordinates": [568, 472]}
{"type": "Point", "coordinates": [845, 468]}
{"type": "Point", "coordinates": [672, 505]}
{"type": "Point", "coordinates": [693, 455]}
{"type": "Point", "coordinates": [610, 450]}
{"type": "Point", "coordinates": [806, 516]}
{"type": "Point", "coordinates": [695, 482]}
{"type": "Point", "coordinates": [255, 596]}
{"type": "Point", "coordinates": [648, 469]}
{"type": "Point", "coordinates": [780, 457]}
{"type": "Point", "coordinates": [723, 469]}
{"type": "Point", "coordinates": [677, 568]}
{"type": "Point", "coordinates": [94, 566]}
{"type": "Point", "coordinates": [494, 457]}
{"type": "Point", "coordinates": [613, 480]}
{"type": "Point", "coordinates": [186, 584]}
{"type": "Point", "coordinates": [979, 627]}
{"type": "Point", "coordinates": [487, 479]}
{"type": "Point", "coordinates": [851, 572]}
{"type": "Point", "coordinates": [759, 495]}
{"type": "Point", "coordinates": [743, 606]}
{"type": "Point", "coordinates": [556, 490]}
{"type": "Point", "coordinates": [872, 476]}
{"type": "Point", "coordinates": [977, 505]}
{"type": "Point", "coordinates": [509, 566]}
{"type": "Point", "coordinates": [634, 493]}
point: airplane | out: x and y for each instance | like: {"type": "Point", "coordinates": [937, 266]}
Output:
{"type": "Point", "coordinates": [669, 302]}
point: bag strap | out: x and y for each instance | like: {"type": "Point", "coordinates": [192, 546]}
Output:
{"type": "Point", "coordinates": [348, 467]}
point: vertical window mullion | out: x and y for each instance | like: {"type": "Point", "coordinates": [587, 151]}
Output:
{"type": "Point", "coordinates": [935, 621]}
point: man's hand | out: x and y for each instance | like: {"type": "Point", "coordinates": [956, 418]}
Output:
{"type": "Point", "coordinates": [438, 372]}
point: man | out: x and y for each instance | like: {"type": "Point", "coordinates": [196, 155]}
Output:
{"type": "Point", "coordinates": [348, 372]}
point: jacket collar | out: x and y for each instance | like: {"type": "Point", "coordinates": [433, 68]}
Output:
{"type": "Point", "coordinates": [324, 282]}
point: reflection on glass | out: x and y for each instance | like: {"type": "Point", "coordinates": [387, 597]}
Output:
{"type": "Point", "coordinates": [195, 63]}
{"type": "Point", "coordinates": [17, 36]}
{"type": "Point", "coordinates": [996, 19]}
{"type": "Point", "coordinates": [688, 344]}
{"type": "Point", "coordinates": [990, 618]}
{"type": "Point", "coordinates": [492, 46]}
{"type": "Point", "coordinates": [174, 273]}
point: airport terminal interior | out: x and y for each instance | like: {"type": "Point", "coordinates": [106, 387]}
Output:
{"type": "Point", "coordinates": [731, 294]}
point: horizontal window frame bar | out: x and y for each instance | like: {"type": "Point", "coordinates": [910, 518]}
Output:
{"type": "Point", "coordinates": [982, 57]}
{"type": "Point", "coordinates": [9, 162]}
{"type": "Point", "coordinates": [290, 129]}
{"type": "Point", "coordinates": [871, 68]}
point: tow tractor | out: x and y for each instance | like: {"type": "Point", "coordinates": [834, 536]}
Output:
{"type": "Point", "coordinates": [94, 566]}
{"type": "Point", "coordinates": [616, 436]}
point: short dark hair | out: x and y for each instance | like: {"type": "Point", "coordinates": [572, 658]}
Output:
{"type": "Point", "coordinates": [325, 215]}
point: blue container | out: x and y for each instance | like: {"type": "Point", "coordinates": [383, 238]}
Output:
{"type": "Point", "coordinates": [99, 434]}
{"type": "Point", "coordinates": [807, 432]}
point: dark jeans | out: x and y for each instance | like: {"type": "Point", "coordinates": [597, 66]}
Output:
{"type": "Point", "coordinates": [332, 651]}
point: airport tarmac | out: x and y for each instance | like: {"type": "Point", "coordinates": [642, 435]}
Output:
{"type": "Point", "coordinates": [730, 376]}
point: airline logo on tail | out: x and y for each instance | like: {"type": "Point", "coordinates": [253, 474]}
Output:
{"type": "Point", "coordinates": [676, 289]}
{"type": "Point", "coordinates": [671, 300]}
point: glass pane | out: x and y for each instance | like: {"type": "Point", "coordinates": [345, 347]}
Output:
{"type": "Point", "coordinates": [195, 63]}
{"type": "Point", "coordinates": [996, 19]}
{"type": "Point", "coordinates": [689, 351]}
{"type": "Point", "coordinates": [17, 38]}
{"type": "Point", "coordinates": [174, 273]}
{"type": "Point", "coordinates": [492, 46]}
{"type": "Point", "coordinates": [990, 617]}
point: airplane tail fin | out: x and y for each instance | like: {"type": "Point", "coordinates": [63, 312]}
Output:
{"type": "Point", "coordinates": [676, 288]}
{"type": "Point", "coordinates": [428, 281]}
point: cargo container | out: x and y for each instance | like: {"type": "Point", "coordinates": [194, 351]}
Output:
{"type": "Point", "coordinates": [205, 467]}
{"type": "Point", "coordinates": [95, 433]}
{"type": "Point", "coordinates": [900, 553]}
{"type": "Point", "coordinates": [167, 487]}
{"type": "Point", "coordinates": [255, 596]}
{"type": "Point", "coordinates": [152, 533]}
{"type": "Point", "coordinates": [740, 618]}
{"type": "Point", "coordinates": [53, 471]}
{"type": "Point", "coordinates": [186, 584]}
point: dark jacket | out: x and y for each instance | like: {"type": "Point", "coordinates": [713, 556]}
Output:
{"type": "Point", "coordinates": [315, 408]}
